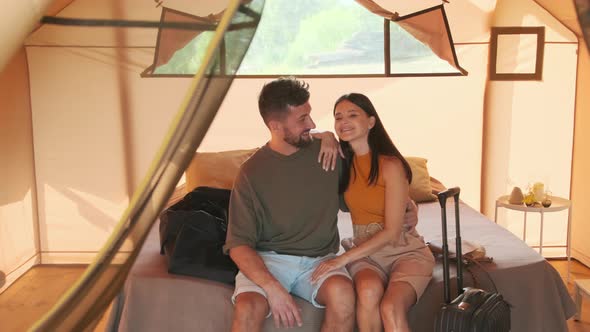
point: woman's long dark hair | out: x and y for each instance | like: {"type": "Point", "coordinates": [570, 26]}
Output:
{"type": "Point", "coordinates": [379, 143]}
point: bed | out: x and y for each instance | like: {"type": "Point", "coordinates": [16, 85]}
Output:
{"type": "Point", "coordinates": [154, 300]}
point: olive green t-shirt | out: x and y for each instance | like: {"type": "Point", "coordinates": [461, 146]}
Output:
{"type": "Point", "coordinates": [287, 204]}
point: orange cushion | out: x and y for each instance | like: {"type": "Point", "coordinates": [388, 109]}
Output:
{"type": "Point", "coordinates": [219, 170]}
{"type": "Point", "coordinates": [420, 188]}
{"type": "Point", "coordinates": [215, 169]}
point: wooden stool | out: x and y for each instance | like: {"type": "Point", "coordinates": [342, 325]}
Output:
{"type": "Point", "coordinates": [581, 287]}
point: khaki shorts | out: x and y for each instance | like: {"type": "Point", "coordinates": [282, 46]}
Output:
{"type": "Point", "coordinates": [410, 260]}
{"type": "Point", "coordinates": [414, 267]}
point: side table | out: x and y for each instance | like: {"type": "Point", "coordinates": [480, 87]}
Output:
{"type": "Point", "coordinates": [557, 204]}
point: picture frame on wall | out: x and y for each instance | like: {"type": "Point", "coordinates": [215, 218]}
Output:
{"type": "Point", "coordinates": [511, 51]}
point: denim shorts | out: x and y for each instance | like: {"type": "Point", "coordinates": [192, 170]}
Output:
{"type": "Point", "coordinates": [293, 272]}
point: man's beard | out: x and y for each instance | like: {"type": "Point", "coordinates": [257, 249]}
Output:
{"type": "Point", "coordinates": [299, 141]}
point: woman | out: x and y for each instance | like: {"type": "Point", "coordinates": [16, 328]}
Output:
{"type": "Point", "coordinates": [391, 266]}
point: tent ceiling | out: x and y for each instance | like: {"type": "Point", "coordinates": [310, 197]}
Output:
{"type": "Point", "coordinates": [404, 7]}
{"type": "Point", "coordinates": [117, 10]}
{"type": "Point", "coordinates": [469, 20]}
{"type": "Point", "coordinates": [565, 12]}
{"type": "Point", "coordinates": [56, 6]}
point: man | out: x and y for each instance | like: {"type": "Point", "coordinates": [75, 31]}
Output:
{"type": "Point", "coordinates": [283, 221]}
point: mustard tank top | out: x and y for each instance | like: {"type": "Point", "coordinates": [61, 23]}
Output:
{"type": "Point", "coordinates": [365, 202]}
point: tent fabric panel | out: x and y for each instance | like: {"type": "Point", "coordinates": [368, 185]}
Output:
{"type": "Point", "coordinates": [79, 146]}
{"type": "Point", "coordinates": [541, 139]}
{"type": "Point", "coordinates": [529, 13]}
{"type": "Point", "coordinates": [400, 7]}
{"type": "Point", "coordinates": [431, 30]}
{"type": "Point", "coordinates": [581, 161]}
{"type": "Point", "coordinates": [172, 40]}
{"type": "Point", "coordinates": [19, 18]}
{"type": "Point", "coordinates": [513, 50]}
{"type": "Point", "coordinates": [529, 138]}
{"type": "Point", "coordinates": [54, 35]}
{"type": "Point", "coordinates": [99, 36]}
{"type": "Point", "coordinates": [564, 11]}
{"type": "Point", "coordinates": [18, 240]}
{"type": "Point", "coordinates": [428, 26]}
{"type": "Point", "coordinates": [85, 180]}
{"type": "Point", "coordinates": [57, 6]}
{"type": "Point", "coordinates": [469, 20]}
{"type": "Point", "coordinates": [152, 104]}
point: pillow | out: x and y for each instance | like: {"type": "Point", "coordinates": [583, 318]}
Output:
{"type": "Point", "coordinates": [219, 170]}
{"type": "Point", "coordinates": [420, 188]}
{"type": "Point", "coordinates": [215, 169]}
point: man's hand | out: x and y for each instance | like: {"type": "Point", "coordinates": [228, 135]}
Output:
{"type": "Point", "coordinates": [281, 303]}
{"type": "Point", "coordinates": [327, 266]}
{"type": "Point", "coordinates": [411, 215]}
{"type": "Point", "coordinates": [329, 151]}
{"type": "Point", "coordinates": [283, 307]}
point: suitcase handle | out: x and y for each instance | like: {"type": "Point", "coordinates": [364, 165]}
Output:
{"type": "Point", "coordinates": [442, 199]}
{"type": "Point", "coordinates": [443, 195]}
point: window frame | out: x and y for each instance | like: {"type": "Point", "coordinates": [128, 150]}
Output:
{"type": "Point", "coordinates": [148, 72]}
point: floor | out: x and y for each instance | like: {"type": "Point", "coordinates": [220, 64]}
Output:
{"type": "Point", "coordinates": [36, 291]}
{"type": "Point", "coordinates": [578, 271]}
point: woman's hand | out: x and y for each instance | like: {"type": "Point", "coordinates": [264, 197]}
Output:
{"type": "Point", "coordinates": [327, 266]}
{"type": "Point", "coordinates": [411, 215]}
{"type": "Point", "coordinates": [329, 151]}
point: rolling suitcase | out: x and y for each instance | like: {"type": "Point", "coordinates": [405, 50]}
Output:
{"type": "Point", "coordinates": [473, 310]}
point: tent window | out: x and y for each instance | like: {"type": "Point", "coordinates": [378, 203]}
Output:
{"type": "Point", "coordinates": [311, 38]}
{"type": "Point", "coordinates": [409, 55]}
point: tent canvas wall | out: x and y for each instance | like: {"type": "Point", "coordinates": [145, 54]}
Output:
{"type": "Point", "coordinates": [80, 126]}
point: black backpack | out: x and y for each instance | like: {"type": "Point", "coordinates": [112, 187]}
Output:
{"type": "Point", "coordinates": [192, 234]}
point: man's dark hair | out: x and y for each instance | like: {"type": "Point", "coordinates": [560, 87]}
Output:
{"type": "Point", "coordinates": [278, 95]}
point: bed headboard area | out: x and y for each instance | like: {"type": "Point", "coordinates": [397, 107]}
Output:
{"type": "Point", "coordinates": [215, 169]}
{"type": "Point", "coordinates": [219, 169]}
